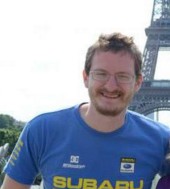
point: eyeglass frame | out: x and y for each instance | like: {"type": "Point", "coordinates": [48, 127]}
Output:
{"type": "Point", "coordinates": [116, 76]}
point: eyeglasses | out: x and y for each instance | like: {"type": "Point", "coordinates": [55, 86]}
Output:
{"type": "Point", "coordinates": [119, 77]}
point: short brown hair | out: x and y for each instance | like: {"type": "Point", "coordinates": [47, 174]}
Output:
{"type": "Point", "coordinates": [114, 42]}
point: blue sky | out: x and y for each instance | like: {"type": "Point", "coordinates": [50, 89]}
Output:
{"type": "Point", "coordinates": [43, 45]}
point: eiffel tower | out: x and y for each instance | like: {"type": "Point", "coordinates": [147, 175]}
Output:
{"type": "Point", "coordinates": [154, 95]}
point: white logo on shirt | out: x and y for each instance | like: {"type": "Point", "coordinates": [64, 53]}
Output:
{"type": "Point", "coordinates": [74, 159]}
{"type": "Point", "coordinates": [74, 163]}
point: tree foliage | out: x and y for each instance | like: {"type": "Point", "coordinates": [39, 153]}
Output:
{"type": "Point", "coordinates": [7, 121]}
{"type": "Point", "coordinates": [10, 130]}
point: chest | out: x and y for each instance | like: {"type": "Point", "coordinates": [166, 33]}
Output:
{"type": "Point", "coordinates": [87, 162]}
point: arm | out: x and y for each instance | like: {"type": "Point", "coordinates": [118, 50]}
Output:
{"type": "Point", "coordinates": [10, 183]}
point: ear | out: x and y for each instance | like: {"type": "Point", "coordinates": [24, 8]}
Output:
{"type": "Point", "coordinates": [138, 83]}
{"type": "Point", "coordinates": [85, 78]}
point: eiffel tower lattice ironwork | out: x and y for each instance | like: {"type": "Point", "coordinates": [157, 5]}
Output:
{"type": "Point", "coordinates": [154, 95]}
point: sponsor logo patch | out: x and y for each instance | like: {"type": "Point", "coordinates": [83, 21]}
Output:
{"type": "Point", "coordinates": [127, 165]}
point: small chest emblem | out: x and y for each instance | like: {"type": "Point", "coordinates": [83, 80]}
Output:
{"type": "Point", "coordinates": [127, 165]}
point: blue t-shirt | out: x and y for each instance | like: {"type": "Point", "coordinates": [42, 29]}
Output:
{"type": "Point", "coordinates": [70, 154]}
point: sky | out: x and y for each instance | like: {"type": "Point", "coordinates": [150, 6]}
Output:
{"type": "Point", "coordinates": [43, 45]}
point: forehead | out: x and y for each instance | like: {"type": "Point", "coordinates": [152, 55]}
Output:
{"type": "Point", "coordinates": [113, 61]}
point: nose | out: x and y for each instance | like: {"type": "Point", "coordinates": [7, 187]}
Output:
{"type": "Point", "coordinates": [111, 83]}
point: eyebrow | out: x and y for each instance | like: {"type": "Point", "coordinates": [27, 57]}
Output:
{"type": "Point", "coordinates": [102, 70]}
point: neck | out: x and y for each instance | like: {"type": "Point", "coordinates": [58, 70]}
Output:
{"type": "Point", "coordinates": [100, 122]}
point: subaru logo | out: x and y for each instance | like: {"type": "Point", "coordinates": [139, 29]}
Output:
{"type": "Point", "coordinates": [127, 166]}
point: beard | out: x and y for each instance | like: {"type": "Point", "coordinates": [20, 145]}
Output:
{"type": "Point", "coordinates": [113, 106]}
{"type": "Point", "coordinates": [108, 112]}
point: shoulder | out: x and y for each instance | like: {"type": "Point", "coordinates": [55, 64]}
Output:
{"type": "Point", "coordinates": [50, 121]}
{"type": "Point", "coordinates": [147, 123]}
{"type": "Point", "coordinates": [49, 126]}
{"type": "Point", "coordinates": [52, 117]}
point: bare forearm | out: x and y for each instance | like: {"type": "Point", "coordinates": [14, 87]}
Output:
{"type": "Point", "coordinates": [12, 184]}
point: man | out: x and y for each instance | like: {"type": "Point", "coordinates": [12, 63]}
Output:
{"type": "Point", "coordinates": [99, 144]}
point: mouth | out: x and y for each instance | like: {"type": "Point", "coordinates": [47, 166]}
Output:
{"type": "Point", "coordinates": [108, 95]}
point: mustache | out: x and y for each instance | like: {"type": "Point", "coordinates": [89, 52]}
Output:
{"type": "Point", "coordinates": [114, 92]}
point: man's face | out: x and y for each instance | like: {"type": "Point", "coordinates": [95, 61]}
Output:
{"type": "Point", "coordinates": [112, 82]}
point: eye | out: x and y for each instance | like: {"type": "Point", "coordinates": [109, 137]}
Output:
{"type": "Point", "coordinates": [124, 77]}
{"type": "Point", "coordinates": [102, 74]}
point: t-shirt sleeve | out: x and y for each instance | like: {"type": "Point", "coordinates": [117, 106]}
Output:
{"type": "Point", "coordinates": [22, 165]}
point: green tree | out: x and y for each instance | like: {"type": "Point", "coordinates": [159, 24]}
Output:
{"type": "Point", "coordinates": [9, 136]}
{"type": "Point", "coordinates": [10, 130]}
{"type": "Point", "coordinates": [6, 121]}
